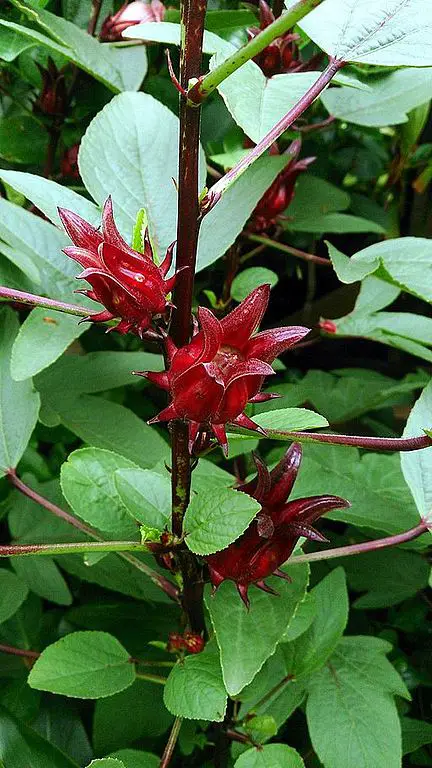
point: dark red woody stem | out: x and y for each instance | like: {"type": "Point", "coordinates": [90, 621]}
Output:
{"type": "Point", "coordinates": [19, 652]}
{"type": "Point", "coordinates": [192, 20]}
{"type": "Point", "coordinates": [367, 546]}
{"type": "Point", "coordinates": [157, 579]}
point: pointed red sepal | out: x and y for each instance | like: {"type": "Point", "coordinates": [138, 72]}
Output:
{"type": "Point", "coordinates": [284, 475]}
{"type": "Point", "coordinates": [265, 588]}
{"type": "Point", "coordinates": [211, 334]}
{"type": "Point", "coordinates": [82, 234]}
{"type": "Point", "coordinates": [282, 575]}
{"type": "Point", "coordinates": [220, 435]}
{"type": "Point", "coordinates": [263, 397]}
{"type": "Point", "coordinates": [242, 589]}
{"type": "Point", "coordinates": [238, 326]}
{"type": "Point", "coordinates": [83, 256]}
{"type": "Point", "coordinates": [250, 367]}
{"type": "Point", "coordinates": [308, 532]}
{"type": "Point", "coordinates": [167, 414]}
{"type": "Point", "coordinates": [160, 379]}
{"type": "Point", "coordinates": [247, 423]}
{"type": "Point", "coordinates": [109, 229]}
{"type": "Point", "coordinates": [260, 485]}
{"type": "Point", "coordinates": [306, 511]}
{"type": "Point", "coordinates": [270, 344]}
{"type": "Point", "coordinates": [166, 263]}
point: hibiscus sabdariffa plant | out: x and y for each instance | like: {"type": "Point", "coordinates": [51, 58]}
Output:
{"type": "Point", "coordinates": [215, 369]}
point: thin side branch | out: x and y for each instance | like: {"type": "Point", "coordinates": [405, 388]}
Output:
{"type": "Point", "coordinates": [172, 741]}
{"type": "Point", "coordinates": [366, 546]}
{"type": "Point", "coordinates": [21, 297]}
{"type": "Point", "coordinates": [368, 443]}
{"type": "Point", "coordinates": [289, 249]}
{"type": "Point", "coordinates": [206, 85]}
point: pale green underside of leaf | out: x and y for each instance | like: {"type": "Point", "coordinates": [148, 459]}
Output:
{"type": "Point", "coordinates": [388, 101]}
{"type": "Point", "coordinates": [417, 466]}
{"type": "Point", "coordinates": [387, 32]}
{"type": "Point", "coordinates": [19, 403]}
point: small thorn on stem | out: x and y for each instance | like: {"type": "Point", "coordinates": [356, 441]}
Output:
{"type": "Point", "coordinates": [173, 75]}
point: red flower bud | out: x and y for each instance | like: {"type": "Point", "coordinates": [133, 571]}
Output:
{"type": "Point", "coordinates": [212, 378]}
{"type": "Point", "coordinates": [175, 642]}
{"type": "Point", "coordinates": [273, 534]}
{"type": "Point", "coordinates": [281, 193]}
{"type": "Point", "coordinates": [194, 643]}
{"type": "Point", "coordinates": [328, 326]}
{"type": "Point", "coordinates": [129, 284]}
{"type": "Point", "coordinates": [53, 97]}
{"type": "Point", "coordinates": [69, 162]}
{"type": "Point", "coordinates": [130, 14]}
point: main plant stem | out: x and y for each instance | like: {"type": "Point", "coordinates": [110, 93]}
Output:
{"type": "Point", "coordinates": [192, 22]}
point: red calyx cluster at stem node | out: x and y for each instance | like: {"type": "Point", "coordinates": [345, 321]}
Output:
{"type": "Point", "coordinates": [271, 537]}
{"type": "Point", "coordinates": [189, 641]}
{"type": "Point", "coordinates": [129, 15]}
{"type": "Point", "coordinates": [69, 162]}
{"type": "Point", "coordinates": [212, 378]}
{"type": "Point", "coordinates": [129, 284]}
{"type": "Point", "coordinates": [53, 98]}
{"type": "Point", "coordinates": [281, 193]}
{"type": "Point", "coordinates": [282, 55]}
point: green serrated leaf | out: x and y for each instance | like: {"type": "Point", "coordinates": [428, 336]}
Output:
{"type": "Point", "coordinates": [145, 494]}
{"type": "Point", "coordinates": [247, 638]}
{"type": "Point", "coordinates": [212, 522]}
{"type": "Point", "coordinates": [13, 592]}
{"type": "Point", "coordinates": [195, 688]}
{"type": "Point", "coordinates": [270, 756]}
{"type": "Point", "coordinates": [353, 697]}
{"type": "Point", "coordinates": [87, 665]}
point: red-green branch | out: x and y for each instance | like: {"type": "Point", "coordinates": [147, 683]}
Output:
{"type": "Point", "coordinates": [19, 652]}
{"type": "Point", "coordinates": [368, 443]}
{"type": "Point", "coordinates": [366, 546]}
{"type": "Point", "coordinates": [172, 741]}
{"type": "Point", "coordinates": [157, 579]}
{"type": "Point", "coordinates": [290, 250]}
{"type": "Point", "coordinates": [284, 123]}
{"type": "Point", "coordinates": [21, 297]}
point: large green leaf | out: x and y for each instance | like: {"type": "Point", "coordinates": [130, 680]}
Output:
{"type": "Point", "coordinates": [88, 485]}
{"type": "Point", "coordinates": [391, 32]}
{"type": "Point", "coordinates": [12, 44]}
{"type": "Point", "coordinates": [195, 688]}
{"type": "Point", "coordinates": [387, 577]}
{"type": "Point", "coordinates": [137, 712]}
{"type": "Point", "coordinates": [42, 339]}
{"type": "Point", "coordinates": [213, 521]}
{"type": "Point", "coordinates": [415, 734]}
{"type": "Point", "coordinates": [119, 69]}
{"type": "Point", "coordinates": [353, 698]}
{"type": "Point", "coordinates": [388, 101]}
{"type": "Point", "coordinates": [417, 465]}
{"type": "Point", "coordinates": [22, 747]}
{"type": "Point", "coordinates": [405, 261]}
{"type": "Point", "coordinates": [270, 756]}
{"type": "Point", "coordinates": [13, 592]}
{"type": "Point", "coordinates": [145, 494]}
{"type": "Point", "coordinates": [19, 403]}
{"type": "Point", "coordinates": [87, 665]}
{"type": "Point", "coordinates": [107, 762]}
{"type": "Point", "coordinates": [106, 424]}
{"type": "Point", "coordinates": [48, 196]}
{"type": "Point", "coordinates": [247, 638]}
{"type": "Point", "coordinates": [22, 139]}
{"type": "Point", "coordinates": [311, 650]}
{"type": "Point", "coordinates": [132, 758]}
{"type": "Point", "coordinates": [42, 577]}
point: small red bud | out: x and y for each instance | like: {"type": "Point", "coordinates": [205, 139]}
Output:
{"type": "Point", "coordinates": [69, 162]}
{"type": "Point", "coordinates": [175, 642]}
{"type": "Point", "coordinates": [328, 326]}
{"type": "Point", "coordinates": [193, 642]}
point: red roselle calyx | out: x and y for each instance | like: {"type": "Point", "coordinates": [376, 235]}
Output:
{"type": "Point", "coordinates": [281, 193]}
{"type": "Point", "coordinates": [273, 534]}
{"type": "Point", "coordinates": [129, 15]}
{"type": "Point", "coordinates": [129, 284]}
{"type": "Point", "coordinates": [282, 55]}
{"type": "Point", "coordinates": [53, 98]}
{"type": "Point", "coordinates": [69, 163]}
{"type": "Point", "coordinates": [212, 378]}
{"type": "Point", "coordinates": [189, 641]}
